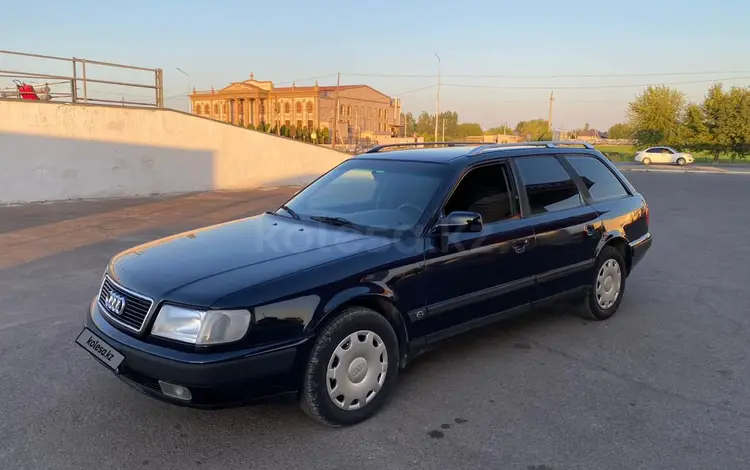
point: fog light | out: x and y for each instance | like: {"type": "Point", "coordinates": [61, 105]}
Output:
{"type": "Point", "coordinates": [175, 391]}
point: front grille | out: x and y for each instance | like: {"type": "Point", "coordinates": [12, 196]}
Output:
{"type": "Point", "coordinates": [136, 308]}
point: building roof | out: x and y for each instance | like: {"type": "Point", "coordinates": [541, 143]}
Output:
{"type": "Point", "coordinates": [320, 88]}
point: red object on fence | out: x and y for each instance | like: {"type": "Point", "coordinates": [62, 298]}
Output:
{"type": "Point", "coordinates": [27, 92]}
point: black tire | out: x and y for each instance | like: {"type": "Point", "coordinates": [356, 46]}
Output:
{"type": "Point", "coordinates": [646, 161]}
{"type": "Point", "coordinates": [314, 398]}
{"type": "Point", "coordinates": [681, 161]}
{"type": "Point", "coordinates": [590, 308]}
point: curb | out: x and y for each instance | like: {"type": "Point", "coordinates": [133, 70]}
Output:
{"type": "Point", "coordinates": [711, 172]}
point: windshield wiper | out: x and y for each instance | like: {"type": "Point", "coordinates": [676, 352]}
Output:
{"type": "Point", "coordinates": [339, 221]}
{"type": "Point", "coordinates": [291, 212]}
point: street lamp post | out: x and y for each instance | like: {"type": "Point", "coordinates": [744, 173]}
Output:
{"type": "Point", "coordinates": [437, 106]}
{"type": "Point", "coordinates": [190, 103]}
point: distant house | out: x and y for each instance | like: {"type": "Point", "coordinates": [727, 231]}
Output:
{"type": "Point", "coordinates": [591, 135]}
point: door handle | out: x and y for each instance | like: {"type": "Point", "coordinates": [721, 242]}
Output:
{"type": "Point", "coordinates": [590, 230]}
{"type": "Point", "coordinates": [519, 246]}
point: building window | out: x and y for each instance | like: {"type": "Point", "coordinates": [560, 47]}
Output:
{"type": "Point", "coordinates": [349, 110]}
{"type": "Point", "coordinates": [287, 123]}
{"type": "Point", "coordinates": [299, 123]}
{"type": "Point", "coordinates": [309, 124]}
{"type": "Point", "coordinates": [224, 108]}
{"type": "Point", "coordinates": [216, 109]}
{"type": "Point", "coordinates": [342, 110]}
{"type": "Point", "coordinates": [309, 107]}
{"type": "Point", "coordinates": [276, 107]}
{"type": "Point", "coordinates": [198, 110]}
{"type": "Point", "coordinates": [299, 107]}
{"type": "Point", "coordinates": [206, 110]}
{"type": "Point", "coordinates": [287, 108]}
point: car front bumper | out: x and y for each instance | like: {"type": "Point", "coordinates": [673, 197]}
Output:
{"type": "Point", "coordinates": [215, 380]}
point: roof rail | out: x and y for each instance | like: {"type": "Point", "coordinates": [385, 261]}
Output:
{"type": "Point", "coordinates": [542, 143]}
{"type": "Point", "coordinates": [378, 148]}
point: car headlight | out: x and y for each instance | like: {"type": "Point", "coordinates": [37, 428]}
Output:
{"type": "Point", "coordinates": [201, 327]}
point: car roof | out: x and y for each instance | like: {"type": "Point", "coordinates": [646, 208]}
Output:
{"type": "Point", "coordinates": [452, 152]}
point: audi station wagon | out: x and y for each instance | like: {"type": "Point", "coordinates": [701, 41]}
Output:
{"type": "Point", "coordinates": [329, 296]}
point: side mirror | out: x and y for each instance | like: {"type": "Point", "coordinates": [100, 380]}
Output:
{"type": "Point", "coordinates": [460, 221]}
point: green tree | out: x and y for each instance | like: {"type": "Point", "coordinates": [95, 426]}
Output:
{"type": "Point", "coordinates": [620, 130]}
{"type": "Point", "coordinates": [504, 129]}
{"type": "Point", "coordinates": [694, 133]}
{"type": "Point", "coordinates": [738, 125]}
{"type": "Point", "coordinates": [715, 109]}
{"type": "Point", "coordinates": [426, 125]}
{"type": "Point", "coordinates": [534, 129]}
{"type": "Point", "coordinates": [586, 127]}
{"type": "Point", "coordinates": [468, 129]}
{"type": "Point", "coordinates": [410, 122]}
{"type": "Point", "coordinates": [655, 116]}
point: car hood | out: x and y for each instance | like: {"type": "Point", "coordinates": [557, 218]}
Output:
{"type": "Point", "coordinates": [201, 266]}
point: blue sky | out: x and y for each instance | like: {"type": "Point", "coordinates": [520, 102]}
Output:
{"type": "Point", "coordinates": [539, 45]}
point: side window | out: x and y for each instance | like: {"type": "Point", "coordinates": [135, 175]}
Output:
{"type": "Point", "coordinates": [654, 150]}
{"type": "Point", "coordinates": [548, 185]}
{"type": "Point", "coordinates": [600, 181]}
{"type": "Point", "coordinates": [484, 190]}
{"type": "Point", "coordinates": [667, 151]}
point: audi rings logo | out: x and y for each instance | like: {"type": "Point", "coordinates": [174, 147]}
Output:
{"type": "Point", "coordinates": [115, 303]}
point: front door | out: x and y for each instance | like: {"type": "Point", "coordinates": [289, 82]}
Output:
{"type": "Point", "coordinates": [567, 231]}
{"type": "Point", "coordinates": [470, 276]}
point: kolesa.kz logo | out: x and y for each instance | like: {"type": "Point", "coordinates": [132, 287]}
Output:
{"type": "Point", "coordinates": [101, 350]}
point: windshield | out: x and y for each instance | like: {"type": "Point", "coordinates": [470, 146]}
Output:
{"type": "Point", "coordinates": [378, 194]}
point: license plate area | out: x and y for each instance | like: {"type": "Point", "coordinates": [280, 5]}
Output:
{"type": "Point", "coordinates": [99, 348]}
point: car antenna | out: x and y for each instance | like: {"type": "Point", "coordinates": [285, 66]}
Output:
{"type": "Point", "coordinates": [540, 137]}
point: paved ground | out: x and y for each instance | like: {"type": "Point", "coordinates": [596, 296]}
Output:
{"type": "Point", "coordinates": [662, 385]}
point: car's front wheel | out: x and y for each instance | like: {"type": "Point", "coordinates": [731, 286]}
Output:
{"type": "Point", "coordinates": [681, 161]}
{"type": "Point", "coordinates": [607, 286]}
{"type": "Point", "coordinates": [352, 368]}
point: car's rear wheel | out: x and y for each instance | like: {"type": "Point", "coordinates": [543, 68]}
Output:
{"type": "Point", "coordinates": [607, 286]}
{"type": "Point", "coordinates": [352, 368]}
{"type": "Point", "coordinates": [646, 161]}
{"type": "Point", "coordinates": [681, 161]}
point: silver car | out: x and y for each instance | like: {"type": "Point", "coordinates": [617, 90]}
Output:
{"type": "Point", "coordinates": [663, 155]}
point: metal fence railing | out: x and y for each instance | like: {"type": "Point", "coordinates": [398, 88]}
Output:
{"type": "Point", "coordinates": [76, 86]}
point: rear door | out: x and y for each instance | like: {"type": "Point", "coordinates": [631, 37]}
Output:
{"type": "Point", "coordinates": [567, 231]}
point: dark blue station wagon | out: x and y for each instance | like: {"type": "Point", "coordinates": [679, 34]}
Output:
{"type": "Point", "coordinates": [329, 296]}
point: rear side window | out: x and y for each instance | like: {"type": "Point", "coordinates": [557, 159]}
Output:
{"type": "Point", "coordinates": [548, 185]}
{"type": "Point", "coordinates": [600, 181]}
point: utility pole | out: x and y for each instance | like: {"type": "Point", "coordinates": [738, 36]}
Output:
{"type": "Point", "coordinates": [551, 100]}
{"type": "Point", "coordinates": [437, 106]}
{"type": "Point", "coordinates": [336, 111]}
{"type": "Point", "coordinates": [443, 129]}
{"type": "Point", "coordinates": [190, 102]}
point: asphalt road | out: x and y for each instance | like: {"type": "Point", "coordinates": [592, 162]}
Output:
{"type": "Point", "coordinates": [664, 384]}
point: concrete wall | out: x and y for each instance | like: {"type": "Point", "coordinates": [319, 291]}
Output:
{"type": "Point", "coordinates": [52, 151]}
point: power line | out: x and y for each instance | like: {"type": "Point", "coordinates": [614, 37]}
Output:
{"type": "Point", "coordinates": [605, 75]}
{"type": "Point", "coordinates": [586, 87]}
{"type": "Point", "coordinates": [415, 90]}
